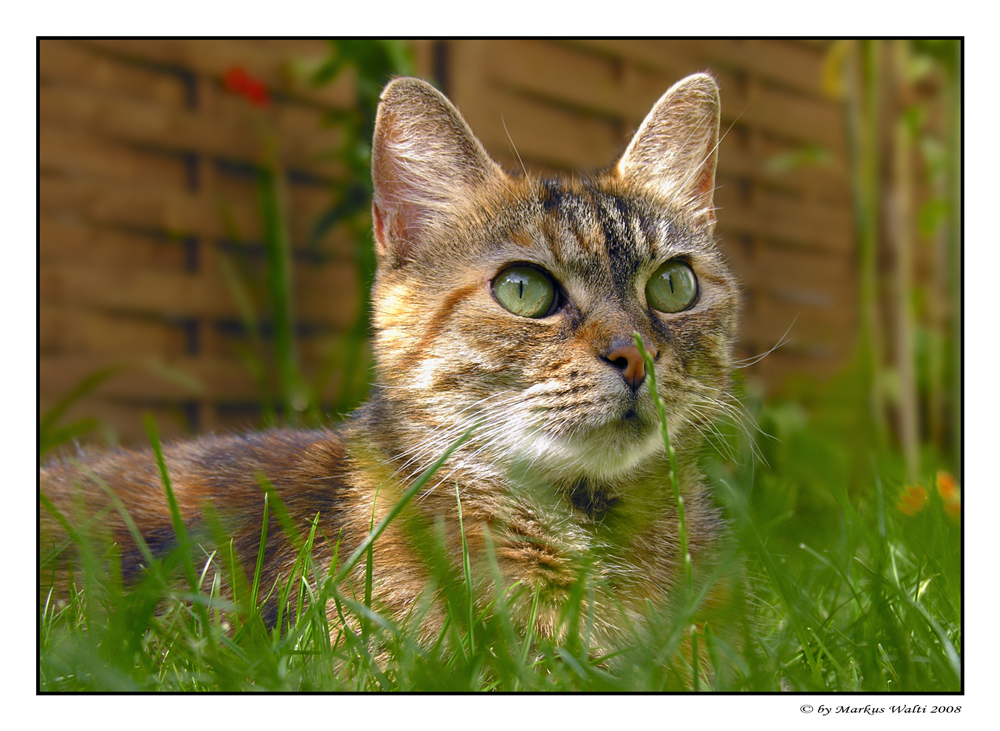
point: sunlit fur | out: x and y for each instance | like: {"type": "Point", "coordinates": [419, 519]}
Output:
{"type": "Point", "coordinates": [565, 468]}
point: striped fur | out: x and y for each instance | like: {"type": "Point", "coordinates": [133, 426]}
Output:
{"type": "Point", "coordinates": [565, 467]}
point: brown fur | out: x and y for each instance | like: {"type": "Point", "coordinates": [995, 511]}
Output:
{"type": "Point", "coordinates": [565, 467]}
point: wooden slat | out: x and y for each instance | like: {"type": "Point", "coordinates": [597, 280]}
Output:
{"type": "Point", "coordinates": [68, 62]}
{"type": "Point", "coordinates": [66, 241]}
{"type": "Point", "coordinates": [235, 136]}
{"type": "Point", "coordinates": [118, 422]}
{"type": "Point", "coordinates": [174, 212]}
{"type": "Point", "coordinates": [819, 319]}
{"type": "Point", "coordinates": [148, 378]}
{"type": "Point", "coordinates": [548, 134]}
{"type": "Point", "coordinates": [790, 269]}
{"type": "Point", "coordinates": [826, 180]}
{"type": "Point", "coordinates": [77, 153]}
{"type": "Point", "coordinates": [797, 327]}
{"type": "Point", "coordinates": [806, 298]}
{"type": "Point", "coordinates": [68, 329]}
{"type": "Point", "coordinates": [649, 55]}
{"type": "Point", "coordinates": [803, 119]}
{"type": "Point", "coordinates": [327, 298]}
{"type": "Point", "coordinates": [271, 61]}
{"type": "Point", "coordinates": [540, 68]}
{"type": "Point", "coordinates": [798, 222]}
{"type": "Point", "coordinates": [773, 110]}
{"type": "Point", "coordinates": [784, 63]}
{"type": "Point", "coordinates": [133, 200]}
{"type": "Point", "coordinates": [151, 378]}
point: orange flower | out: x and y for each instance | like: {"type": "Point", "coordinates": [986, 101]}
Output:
{"type": "Point", "coordinates": [912, 500]}
{"type": "Point", "coordinates": [947, 488]}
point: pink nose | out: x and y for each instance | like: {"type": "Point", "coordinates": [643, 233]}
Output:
{"type": "Point", "coordinates": [628, 361]}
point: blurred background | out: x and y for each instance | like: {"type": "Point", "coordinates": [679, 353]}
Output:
{"type": "Point", "coordinates": [204, 225]}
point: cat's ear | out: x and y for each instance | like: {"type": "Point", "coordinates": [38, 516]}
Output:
{"type": "Point", "coordinates": [426, 165]}
{"type": "Point", "coordinates": [674, 151]}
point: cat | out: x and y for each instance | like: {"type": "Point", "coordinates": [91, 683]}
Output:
{"type": "Point", "coordinates": [504, 311]}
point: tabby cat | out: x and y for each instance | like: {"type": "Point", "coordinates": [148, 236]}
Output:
{"type": "Point", "coordinates": [505, 305]}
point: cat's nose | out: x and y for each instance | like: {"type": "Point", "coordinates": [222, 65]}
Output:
{"type": "Point", "coordinates": [627, 359]}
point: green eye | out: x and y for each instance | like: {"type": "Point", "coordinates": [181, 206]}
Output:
{"type": "Point", "coordinates": [672, 288]}
{"type": "Point", "coordinates": [525, 291]}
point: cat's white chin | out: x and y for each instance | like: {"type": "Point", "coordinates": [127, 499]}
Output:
{"type": "Point", "coordinates": [602, 454]}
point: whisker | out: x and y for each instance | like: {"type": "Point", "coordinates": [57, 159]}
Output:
{"type": "Point", "coordinates": [754, 360]}
{"type": "Point", "coordinates": [513, 146]}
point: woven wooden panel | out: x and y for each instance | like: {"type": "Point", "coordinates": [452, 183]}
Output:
{"type": "Point", "coordinates": [147, 178]}
{"type": "Point", "coordinates": [572, 105]}
{"type": "Point", "coordinates": [144, 186]}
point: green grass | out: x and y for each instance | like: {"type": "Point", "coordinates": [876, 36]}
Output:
{"type": "Point", "coordinates": [842, 590]}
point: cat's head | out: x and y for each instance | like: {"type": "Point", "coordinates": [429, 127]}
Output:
{"type": "Point", "coordinates": [511, 301]}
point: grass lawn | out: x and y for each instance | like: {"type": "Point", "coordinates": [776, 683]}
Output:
{"type": "Point", "coordinates": [851, 582]}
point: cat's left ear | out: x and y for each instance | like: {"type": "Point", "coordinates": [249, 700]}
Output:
{"type": "Point", "coordinates": [674, 150]}
{"type": "Point", "coordinates": [427, 166]}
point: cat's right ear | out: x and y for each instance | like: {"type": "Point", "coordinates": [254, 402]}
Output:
{"type": "Point", "coordinates": [426, 166]}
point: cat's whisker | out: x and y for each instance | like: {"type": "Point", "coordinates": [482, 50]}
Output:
{"type": "Point", "coordinates": [754, 360]}
{"type": "Point", "coordinates": [711, 407]}
{"type": "Point", "coordinates": [513, 146]}
{"type": "Point", "coordinates": [438, 440]}
{"type": "Point", "coordinates": [486, 445]}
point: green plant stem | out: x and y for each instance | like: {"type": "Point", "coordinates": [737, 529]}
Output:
{"type": "Point", "coordinates": [954, 131]}
{"type": "Point", "coordinates": [904, 242]}
{"type": "Point", "coordinates": [279, 287]}
{"type": "Point", "coordinates": [862, 104]}
{"type": "Point", "coordinates": [671, 456]}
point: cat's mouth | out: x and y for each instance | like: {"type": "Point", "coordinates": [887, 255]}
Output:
{"type": "Point", "coordinates": [628, 418]}
{"type": "Point", "coordinates": [601, 437]}
{"type": "Point", "coordinates": [631, 415]}
{"type": "Point", "coordinates": [615, 445]}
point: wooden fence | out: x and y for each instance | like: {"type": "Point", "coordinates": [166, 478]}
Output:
{"type": "Point", "coordinates": [147, 191]}
{"type": "Point", "coordinates": [148, 197]}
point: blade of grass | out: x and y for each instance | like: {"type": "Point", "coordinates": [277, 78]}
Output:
{"type": "Point", "coordinates": [951, 655]}
{"type": "Point", "coordinates": [258, 571]}
{"type": "Point", "coordinates": [777, 579]}
{"type": "Point", "coordinates": [467, 568]}
{"type": "Point", "coordinates": [369, 569]}
{"type": "Point", "coordinates": [695, 665]}
{"type": "Point", "coordinates": [177, 521]}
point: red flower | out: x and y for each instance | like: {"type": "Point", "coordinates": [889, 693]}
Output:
{"type": "Point", "coordinates": [240, 82]}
